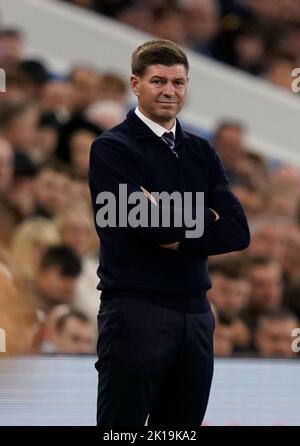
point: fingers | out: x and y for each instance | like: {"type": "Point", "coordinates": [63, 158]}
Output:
{"type": "Point", "coordinates": [148, 195]}
{"type": "Point", "coordinates": [173, 246]}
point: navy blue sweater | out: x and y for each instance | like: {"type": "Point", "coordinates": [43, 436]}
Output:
{"type": "Point", "coordinates": [132, 264]}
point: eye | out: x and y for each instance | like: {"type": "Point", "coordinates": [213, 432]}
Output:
{"type": "Point", "coordinates": [156, 81]}
{"type": "Point", "coordinates": [179, 83]}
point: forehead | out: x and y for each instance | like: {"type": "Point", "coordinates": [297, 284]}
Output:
{"type": "Point", "coordinates": [172, 72]}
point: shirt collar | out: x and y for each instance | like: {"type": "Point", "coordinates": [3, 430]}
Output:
{"type": "Point", "coordinates": [156, 128]}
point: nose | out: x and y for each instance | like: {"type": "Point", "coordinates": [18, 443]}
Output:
{"type": "Point", "coordinates": [168, 89]}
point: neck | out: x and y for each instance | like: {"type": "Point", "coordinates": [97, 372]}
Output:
{"type": "Point", "coordinates": [168, 125]}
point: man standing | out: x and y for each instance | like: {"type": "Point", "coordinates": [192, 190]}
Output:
{"type": "Point", "coordinates": [155, 354]}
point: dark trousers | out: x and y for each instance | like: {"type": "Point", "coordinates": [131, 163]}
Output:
{"type": "Point", "coordinates": [152, 361]}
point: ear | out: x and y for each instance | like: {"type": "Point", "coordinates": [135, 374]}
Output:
{"type": "Point", "coordinates": [134, 83]}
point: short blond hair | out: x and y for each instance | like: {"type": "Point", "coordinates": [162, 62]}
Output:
{"type": "Point", "coordinates": [37, 230]}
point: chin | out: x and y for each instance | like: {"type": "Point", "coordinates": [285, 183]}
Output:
{"type": "Point", "coordinates": [165, 116]}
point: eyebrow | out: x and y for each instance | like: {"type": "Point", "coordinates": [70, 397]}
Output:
{"type": "Point", "coordinates": [156, 76]}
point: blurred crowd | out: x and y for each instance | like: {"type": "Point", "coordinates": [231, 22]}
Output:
{"type": "Point", "coordinates": [260, 37]}
{"type": "Point", "coordinates": [48, 245]}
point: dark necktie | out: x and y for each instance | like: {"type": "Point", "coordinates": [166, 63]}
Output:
{"type": "Point", "coordinates": [168, 137]}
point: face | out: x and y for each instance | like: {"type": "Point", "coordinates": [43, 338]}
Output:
{"type": "Point", "coordinates": [80, 145]}
{"type": "Point", "coordinates": [202, 21]}
{"type": "Point", "coordinates": [275, 337]}
{"type": "Point", "coordinates": [235, 296]}
{"type": "Point", "coordinates": [50, 190]}
{"type": "Point", "coordinates": [77, 337]}
{"type": "Point", "coordinates": [57, 96]}
{"type": "Point", "coordinates": [86, 84]}
{"type": "Point", "coordinates": [229, 144]}
{"type": "Point", "coordinates": [22, 129]}
{"type": "Point", "coordinates": [58, 288]}
{"type": "Point", "coordinates": [161, 92]}
{"type": "Point", "coordinates": [46, 140]}
{"type": "Point", "coordinates": [11, 49]}
{"type": "Point", "coordinates": [77, 232]}
{"type": "Point", "coordinates": [266, 286]}
{"type": "Point", "coordinates": [267, 239]}
{"type": "Point", "coordinates": [21, 195]}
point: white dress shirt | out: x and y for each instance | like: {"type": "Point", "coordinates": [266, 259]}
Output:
{"type": "Point", "coordinates": [158, 129]}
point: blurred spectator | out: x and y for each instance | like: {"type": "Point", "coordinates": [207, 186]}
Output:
{"type": "Point", "coordinates": [46, 138]}
{"type": "Point", "coordinates": [229, 299]}
{"type": "Point", "coordinates": [56, 277]}
{"type": "Point", "coordinates": [11, 48]}
{"type": "Point", "coordinates": [76, 123]}
{"type": "Point", "coordinates": [201, 23]}
{"type": "Point", "coordinates": [273, 334]}
{"type": "Point", "coordinates": [49, 327]}
{"type": "Point", "coordinates": [75, 334]}
{"type": "Point", "coordinates": [105, 113]}
{"type": "Point", "coordinates": [80, 146]}
{"type": "Point", "coordinates": [285, 178]}
{"type": "Point", "coordinates": [113, 87]}
{"type": "Point", "coordinates": [228, 141]}
{"type": "Point", "coordinates": [21, 193]}
{"type": "Point", "coordinates": [75, 225]}
{"type": "Point", "coordinates": [233, 289]}
{"type": "Point", "coordinates": [18, 316]}
{"type": "Point", "coordinates": [58, 97]}
{"type": "Point", "coordinates": [18, 124]}
{"type": "Point", "coordinates": [267, 239]}
{"type": "Point", "coordinates": [281, 203]}
{"type": "Point", "coordinates": [18, 86]}
{"type": "Point", "coordinates": [86, 83]}
{"type": "Point", "coordinates": [29, 242]}
{"type": "Point", "coordinates": [249, 50]}
{"type": "Point", "coordinates": [277, 239]}
{"type": "Point", "coordinates": [138, 15]}
{"type": "Point", "coordinates": [36, 75]}
{"type": "Point", "coordinates": [169, 25]}
{"type": "Point", "coordinates": [253, 202]}
{"type": "Point", "coordinates": [9, 187]}
{"type": "Point", "coordinates": [252, 171]}
{"type": "Point", "coordinates": [51, 189]}
{"type": "Point", "coordinates": [78, 190]}
{"type": "Point", "coordinates": [265, 277]}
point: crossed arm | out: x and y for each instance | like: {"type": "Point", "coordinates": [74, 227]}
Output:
{"type": "Point", "coordinates": [173, 246]}
{"type": "Point", "coordinates": [225, 224]}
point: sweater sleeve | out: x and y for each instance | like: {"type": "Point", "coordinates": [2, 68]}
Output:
{"type": "Point", "coordinates": [113, 164]}
{"type": "Point", "coordinates": [231, 231]}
